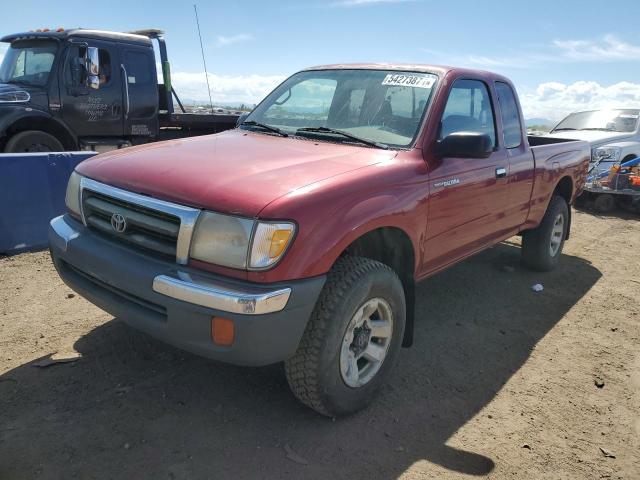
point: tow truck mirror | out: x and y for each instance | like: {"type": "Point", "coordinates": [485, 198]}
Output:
{"type": "Point", "coordinates": [465, 144]}
{"type": "Point", "coordinates": [92, 66]}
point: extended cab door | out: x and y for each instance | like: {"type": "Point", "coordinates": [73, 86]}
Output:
{"type": "Point", "coordinates": [91, 112]}
{"type": "Point", "coordinates": [469, 196]}
{"type": "Point", "coordinates": [521, 163]}
{"type": "Point", "coordinates": [140, 84]}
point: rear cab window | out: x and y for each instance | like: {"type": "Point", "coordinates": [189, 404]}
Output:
{"type": "Point", "coordinates": [510, 114]}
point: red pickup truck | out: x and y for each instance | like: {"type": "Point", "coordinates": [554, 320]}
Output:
{"type": "Point", "coordinates": [300, 235]}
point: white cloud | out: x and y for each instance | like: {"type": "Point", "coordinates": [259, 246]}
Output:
{"type": "Point", "coordinates": [554, 100]}
{"type": "Point", "coordinates": [225, 89]}
{"type": "Point", "coordinates": [222, 41]}
{"type": "Point", "coordinates": [363, 3]}
{"type": "Point", "coordinates": [610, 48]}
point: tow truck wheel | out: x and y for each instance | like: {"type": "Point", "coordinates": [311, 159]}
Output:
{"type": "Point", "coordinates": [542, 246]}
{"type": "Point", "coordinates": [352, 339]}
{"type": "Point", "coordinates": [33, 141]}
{"type": "Point", "coordinates": [604, 203]}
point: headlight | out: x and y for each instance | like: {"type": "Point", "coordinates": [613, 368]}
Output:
{"type": "Point", "coordinates": [606, 153]}
{"type": "Point", "coordinates": [72, 197]}
{"type": "Point", "coordinates": [270, 241]}
{"type": "Point", "coordinates": [222, 240]}
{"type": "Point", "coordinates": [240, 242]}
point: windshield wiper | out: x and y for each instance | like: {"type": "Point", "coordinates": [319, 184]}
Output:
{"type": "Point", "coordinates": [253, 123]}
{"type": "Point", "coordinates": [344, 134]}
{"type": "Point", "coordinates": [603, 129]}
{"type": "Point", "coordinates": [563, 128]}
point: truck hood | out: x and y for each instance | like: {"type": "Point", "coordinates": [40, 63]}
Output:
{"type": "Point", "coordinates": [594, 137]}
{"type": "Point", "coordinates": [235, 172]}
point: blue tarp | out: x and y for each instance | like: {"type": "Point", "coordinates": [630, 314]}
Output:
{"type": "Point", "coordinates": [32, 190]}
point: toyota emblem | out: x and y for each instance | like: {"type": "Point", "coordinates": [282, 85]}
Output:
{"type": "Point", "coordinates": [118, 223]}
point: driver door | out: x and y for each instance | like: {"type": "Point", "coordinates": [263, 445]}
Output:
{"type": "Point", "coordinates": [469, 196]}
{"type": "Point", "coordinates": [92, 112]}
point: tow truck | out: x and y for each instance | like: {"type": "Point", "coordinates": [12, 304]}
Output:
{"type": "Point", "coordinates": [80, 89]}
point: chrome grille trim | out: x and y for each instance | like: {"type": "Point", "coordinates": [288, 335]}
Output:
{"type": "Point", "coordinates": [187, 215]}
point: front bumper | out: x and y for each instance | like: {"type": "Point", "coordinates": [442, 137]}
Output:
{"type": "Point", "coordinates": [175, 303]}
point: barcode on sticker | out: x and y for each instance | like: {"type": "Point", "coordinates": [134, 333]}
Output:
{"type": "Point", "coordinates": [401, 80]}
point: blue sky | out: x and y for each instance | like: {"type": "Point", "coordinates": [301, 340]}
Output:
{"type": "Point", "coordinates": [560, 54]}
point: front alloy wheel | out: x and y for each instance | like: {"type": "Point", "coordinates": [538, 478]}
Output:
{"type": "Point", "coordinates": [352, 338]}
{"type": "Point", "coordinates": [366, 342]}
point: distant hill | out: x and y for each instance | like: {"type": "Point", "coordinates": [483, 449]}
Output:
{"type": "Point", "coordinates": [529, 122]}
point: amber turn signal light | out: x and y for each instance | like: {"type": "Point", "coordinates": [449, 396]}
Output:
{"type": "Point", "coordinates": [222, 331]}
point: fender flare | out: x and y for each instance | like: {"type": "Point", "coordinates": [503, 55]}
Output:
{"type": "Point", "coordinates": [38, 116]}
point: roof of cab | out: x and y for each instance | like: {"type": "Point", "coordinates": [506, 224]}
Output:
{"type": "Point", "coordinates": [441, 70]}
{"type": "Point", "coordinates": [79, 32]}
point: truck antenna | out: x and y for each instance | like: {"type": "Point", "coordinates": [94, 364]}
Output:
{"type": "Point", "coordinates": [206, 74]}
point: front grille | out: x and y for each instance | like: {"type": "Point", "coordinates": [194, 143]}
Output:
{"type": "Point", "coordinates": [146, 228]}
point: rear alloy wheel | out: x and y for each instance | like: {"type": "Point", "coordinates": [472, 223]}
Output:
{"type": "Point", "coordinates": [542, 246]}
{"type": "Point", "coordinates": [352, 338]}
{"type": "Point", "coordinates": [33, 141]}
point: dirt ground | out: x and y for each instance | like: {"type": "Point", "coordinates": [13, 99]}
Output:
{"type": "Point", "coordinates": [501, 383]}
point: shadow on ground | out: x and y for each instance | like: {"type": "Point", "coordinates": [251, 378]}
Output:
{"type": "Point", "coordinates": [133, 407]}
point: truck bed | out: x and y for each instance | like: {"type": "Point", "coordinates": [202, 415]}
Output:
{"type": "Point", "coordinates": [555, 158]}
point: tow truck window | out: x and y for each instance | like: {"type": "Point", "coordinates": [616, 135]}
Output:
{"type": "Point", "coordinates": [77, 55]}
{"type": "Point", "coordinates": [28, 62]}
{"type": "Point", "coordinates": [379, 106]}
{"type": "Point", "coordinates": [468, 109]}
{"type": "Point", "coordinates": [510, 115]}
{"type": "Point", "coordinates": [139, 68]}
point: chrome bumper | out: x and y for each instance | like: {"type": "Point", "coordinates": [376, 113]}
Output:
{"type": "Point", "coordinates": [196, 289]}
{"type": "Point", "coordinates": [204, 292]}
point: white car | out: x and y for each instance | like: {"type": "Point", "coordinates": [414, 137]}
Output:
{"type": "Point", "coordinates": [614, 134]}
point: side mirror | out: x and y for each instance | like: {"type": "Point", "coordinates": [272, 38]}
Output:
{"type": "Point", "coordinates": [241, 119]}
{"type": "Point", "coordinates": [92, 66]}
{"type": "Point", "coordinates": [465, 144]}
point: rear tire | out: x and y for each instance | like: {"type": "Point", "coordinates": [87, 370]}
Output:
{"type": "Point", "coordinates": [542, 246]}
{"type": "Point", "coordinates": [339, 366]}
{"type": "Point", "coordinates": [604, 203]}
{"type": "Point", "coordinates": [33, 141]}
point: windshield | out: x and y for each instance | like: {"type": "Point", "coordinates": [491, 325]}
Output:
{"type": "Point", "coordinates": [619, 120]}
{"type": "Point", "coordinates": [378, 106]}
{"type": "Point", "coordinates": [28, 62]}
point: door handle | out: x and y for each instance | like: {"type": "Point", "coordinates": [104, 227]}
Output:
{"type": "Point", "coordinates": [501, 172]}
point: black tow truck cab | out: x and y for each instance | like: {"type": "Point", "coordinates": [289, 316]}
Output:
{"type": "Point", "coordinates": [91, 90]}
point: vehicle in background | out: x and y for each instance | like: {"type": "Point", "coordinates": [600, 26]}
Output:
{"type": "Point", "coordinates": [609, 185]}
{"type": "Point", "coordinates": [300, 235]}
{"type": "Point", "coordinates": [91, 90]}
{"type": "Point", "coordinates": [614, 134]}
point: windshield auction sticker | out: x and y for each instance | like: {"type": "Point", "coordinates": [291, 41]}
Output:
{"type": "Point", "coordinates": [402, 80]}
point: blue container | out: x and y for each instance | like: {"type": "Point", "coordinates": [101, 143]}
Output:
{"type": "Point", "coordinates": [32, 190]}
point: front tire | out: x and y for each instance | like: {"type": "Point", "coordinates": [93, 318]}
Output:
{"type": "Point", "coordinates": [542, 246]}
{"type": "Point", "coordinates": [33, 141]}
{"type": "Point", "coordinates": [352, 339]}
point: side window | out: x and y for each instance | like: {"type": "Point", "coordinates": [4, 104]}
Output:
{"type": "Point", "coordinates": [76, 69]}
{"type": "Point", "coordinates": [468, 109]}
{"type": "Point", "coordinates": [139, 68]}
{"type": "Point", "coordinates": [510, 115]}
{"type": "Point", "coordinates": [105, 66]}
